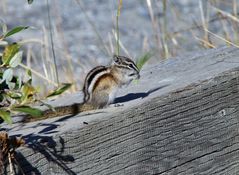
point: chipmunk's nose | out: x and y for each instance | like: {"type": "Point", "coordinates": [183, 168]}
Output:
{"type": "Point", "coordinates": [135, 75]}
{"type": "Point", "coordinates": [138, 76]}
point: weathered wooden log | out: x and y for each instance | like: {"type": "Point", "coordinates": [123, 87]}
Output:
{"type": "Point", "coordinates": [181, 118]}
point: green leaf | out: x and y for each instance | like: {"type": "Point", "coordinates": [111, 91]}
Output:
{"type": "Point", "coordinates": [3, 43]}
{"type": "Point", "coordinates": [9, 52]}
{"type": "Point", "coordinates": [19, 82]}
{"type": "Point", "coordinates": [27, 92]}
{"type": "Point", "coordinates": [14, 95]}
{"type": "Point", "coordinates": [30, 1]}
{"type": "Point", "coordinates": [15, 30]}
{"type": "Point", "coordinates": [47, 105]}
{"type": "Point", "coordinates": [4, 28]}
{"type": "Point", "coordinates": [16, 59]}
{"type": "Point", "coordinates": [29, 78]}
{"type": "Point", "coordinates": [7, 75]}
{"type": "Point", "coordinates": [6, 116]}
{"type": "Point", "coordinates": [29, 110]}
{"type": "Point", "coordinates": [60, 90]}
{"type": "Point", "coordinates": [143, 59]}
{"type": "Point", "coordinates": [11, 85]}
{"type": "Point", "coordinates": [119, 7]}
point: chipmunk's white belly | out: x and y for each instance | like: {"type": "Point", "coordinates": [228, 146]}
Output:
{"type": "Point", "coordinates": [112, 96]}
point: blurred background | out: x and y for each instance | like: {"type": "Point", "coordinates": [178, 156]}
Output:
{"type": "Point", "coordinates": [81, 34]}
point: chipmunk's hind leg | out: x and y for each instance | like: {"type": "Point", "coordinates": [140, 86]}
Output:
{"type": "Point", "coordinates": [104, 91]}
{"type": "Point", "coordinates": [100, 99]}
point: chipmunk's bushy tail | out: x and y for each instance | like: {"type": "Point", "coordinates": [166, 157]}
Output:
{"type": "Point", "coordinates": [61, 111]}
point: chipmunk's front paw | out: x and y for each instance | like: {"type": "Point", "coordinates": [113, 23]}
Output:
{"type": "Point", "coordinates": [118, 105]}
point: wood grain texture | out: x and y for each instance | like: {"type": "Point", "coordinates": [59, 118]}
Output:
{"type": "Point", "coordinates": [191, 129]}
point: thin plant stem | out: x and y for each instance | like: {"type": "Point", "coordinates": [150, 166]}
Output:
{"type": "Point", "coordinates": [52, 43]}
{"type": "Point", "coordinates": [155, 25]}
{"type": "Point", "coordinates": [38, 74]}
{"type": "Point", "coordinates": [204, 22]}
{"type": "Point", "coordinates": [117, 27]}
{"type": "Point", "coordinates": [31, 40]}
{"type": "Point", "coordinates": [121, 44]}
{"type": "Point", "coordinates": [165, 46]}
{"type": "Point", "coordinates": [234, 18]}
{"type": "Point", "coordinates": [69, 69]}
{"type": "Point", "coordinates": [199, 26]}
{"type": "Point", "coordinates": [45, 52]}
{"type": "Point", "coordinates": [234, 6]}
{"type": "Point", "coordinates": [223, 39]}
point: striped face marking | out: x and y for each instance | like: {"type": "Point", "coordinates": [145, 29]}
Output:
{"type": "Point", "coordinates": [122, 61]}
{"type": "Point", "coordinates": [127, 63]}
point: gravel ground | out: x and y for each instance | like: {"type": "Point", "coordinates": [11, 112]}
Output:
{"type": "Point", "coordinates": [76, 39]}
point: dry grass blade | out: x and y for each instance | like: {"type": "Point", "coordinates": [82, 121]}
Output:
{"type": "Point", "coordinates": [204, 25]}
{"type": "Point", "coordinates": [111, 46]}
{"type": "Point", "coordinates": [4, 6]}
{"type": "Point", "coordinates": [164, 30]}
{"type": "Point", "coordinates": [117, 27]}
{"type": "Point", "coordinates": [234, 18]}
{"type": "Point", "coordinates": [38, 74]}
{"type": "Point", "coordinates": [234, 6]}
{"type": "Point", "coordinates": [31, 40]}
{"type": "Point", "coordinates": [205, 42]}
{"type": "Point", "coordinates": [154, 24]}
{"type": "Point", "coordinates": [121, 44]}
{"type": "Point", "coordinates": [45, 55]}
{"type": "Point", "coordinates": [59, 23]}
{"type": "Point", "coordinates": [52, 42]}
{"type": "Point", "coordinates": [195, 27]}
{"type": "Point", "coordinates": [223, 39]}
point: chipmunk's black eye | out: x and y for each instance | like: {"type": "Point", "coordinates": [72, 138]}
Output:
{"type": "Point", "coordinates": [131, 65]}
{"type": "Point", "coordinates": [117, 61]}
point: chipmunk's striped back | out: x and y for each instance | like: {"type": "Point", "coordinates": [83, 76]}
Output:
{"type": "Point", "coordinates": [90, 79]}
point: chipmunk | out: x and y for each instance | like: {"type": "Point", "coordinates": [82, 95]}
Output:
{"type": "Point", "coordinates": [100, 87]}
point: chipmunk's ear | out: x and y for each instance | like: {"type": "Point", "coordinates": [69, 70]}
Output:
{"type": "Point", "coordinates": [116, 59]}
